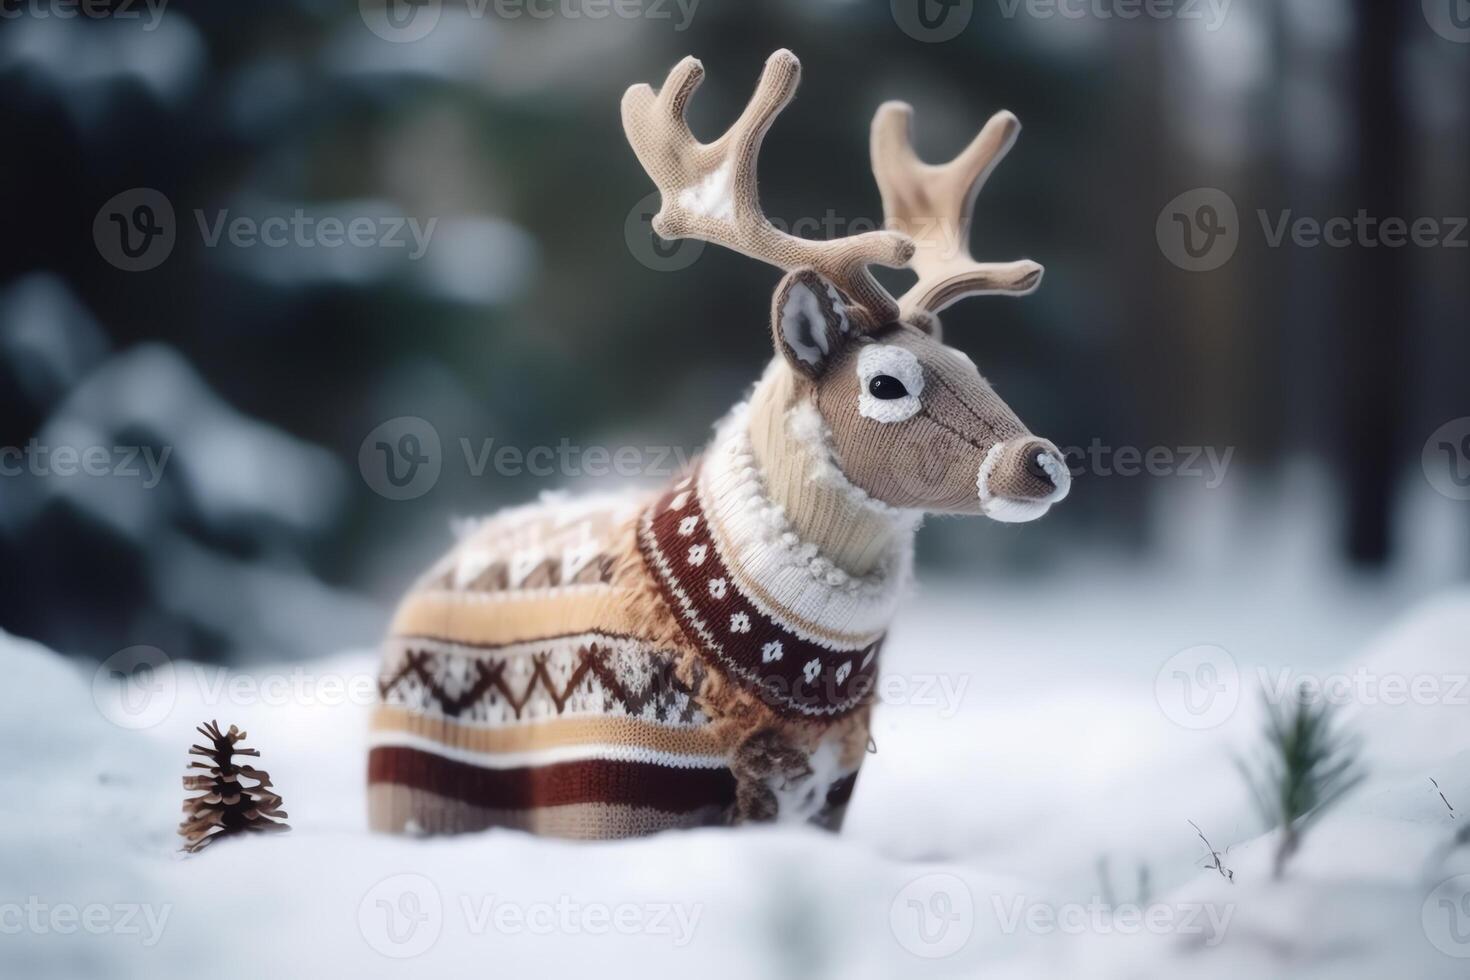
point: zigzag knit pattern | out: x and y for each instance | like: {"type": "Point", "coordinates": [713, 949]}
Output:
{"type": "Point", "coordinates": [528, 683]}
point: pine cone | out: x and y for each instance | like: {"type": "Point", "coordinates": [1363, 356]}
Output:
{"type": "Point", "coordinates": [225, 805]}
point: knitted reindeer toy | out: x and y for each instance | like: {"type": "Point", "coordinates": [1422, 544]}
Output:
{"type": "Point", "coordinates": [707, 654]}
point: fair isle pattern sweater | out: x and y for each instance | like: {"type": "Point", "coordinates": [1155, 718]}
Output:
{"type": "Point", "coordinates": [615, 667]}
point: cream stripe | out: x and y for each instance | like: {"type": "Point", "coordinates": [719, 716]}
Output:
{"type": "Point", "coordinates": [580, 752]}
{"type": "Point", "coordinates": [510, 617]}
{"type": "Point", "coordinates": [547, 734]}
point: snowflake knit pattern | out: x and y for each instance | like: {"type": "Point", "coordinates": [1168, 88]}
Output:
{"type": "Point", "coordinates": [736, 629]}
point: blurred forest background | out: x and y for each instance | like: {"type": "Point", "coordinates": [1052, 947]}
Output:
{"type": "Point", "coordinates": [541, 310]}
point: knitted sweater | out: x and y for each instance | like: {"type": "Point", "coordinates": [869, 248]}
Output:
{"type": "Point", "coordinates": [613, 667]}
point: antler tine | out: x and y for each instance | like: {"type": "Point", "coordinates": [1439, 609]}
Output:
{"type": "Point", "coordinates": [708, 190]}
{"type": "Point", "coordinates": [935, 204]}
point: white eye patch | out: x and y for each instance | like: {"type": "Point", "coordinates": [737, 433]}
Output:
{"type": "Point", "coordinates": [876, 360]}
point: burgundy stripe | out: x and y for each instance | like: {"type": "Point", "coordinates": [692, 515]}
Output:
{"type": "Point", "coordinates": [667, 788]}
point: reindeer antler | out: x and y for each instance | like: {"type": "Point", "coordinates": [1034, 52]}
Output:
{"type": "Point", "coordinates": [934, 205]}
{"type": "Point", "coordinates": [709, 189]}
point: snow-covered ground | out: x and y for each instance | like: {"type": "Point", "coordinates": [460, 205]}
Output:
{"type": "Point", "coordinates": [1040, 751]}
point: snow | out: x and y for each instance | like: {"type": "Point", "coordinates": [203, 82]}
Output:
{"type": "Point", "coordinates": [234, 469]}
{"type": "Point", "coordinates": [88, 62]}
{"type": "Point", "coordinates": [47, 337]}
{"type": "Point", "coordinates": [1027, 769]}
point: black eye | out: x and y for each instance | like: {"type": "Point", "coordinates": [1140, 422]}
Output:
{"type": "Point", "coordinates": [886, 386]}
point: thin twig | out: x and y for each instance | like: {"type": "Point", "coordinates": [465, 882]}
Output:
{"type": "Point", "coordinates": [1453, 816]}
{"type": "Point", "coordinates": [1215, 857]}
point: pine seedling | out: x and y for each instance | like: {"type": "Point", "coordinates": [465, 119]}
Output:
{"type": "Point", "coordinates": [1306, 766]}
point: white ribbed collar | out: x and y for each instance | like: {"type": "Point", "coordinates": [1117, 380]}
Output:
{"type": "Point", "coordinates": [788, 578]}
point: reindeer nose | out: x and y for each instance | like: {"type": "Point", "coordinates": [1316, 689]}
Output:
{"type": "Point", "coordinates": [1037, 461]}
{"type": "Point", "coordinates": [1020, 479]}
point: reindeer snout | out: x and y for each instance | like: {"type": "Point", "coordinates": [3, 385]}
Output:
{"type": "Point", "coordinates": [1020, 479]}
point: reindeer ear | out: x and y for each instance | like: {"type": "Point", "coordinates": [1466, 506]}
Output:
{"type": "Point", "coordinates": [811, 320]}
